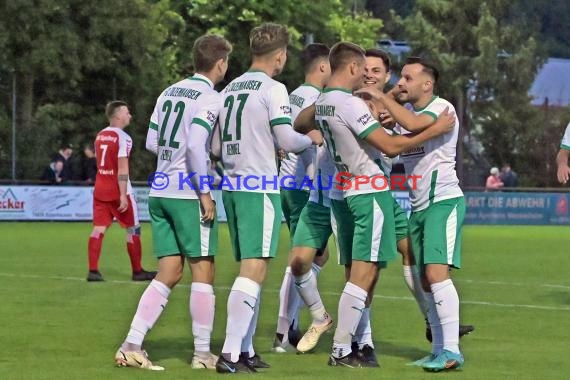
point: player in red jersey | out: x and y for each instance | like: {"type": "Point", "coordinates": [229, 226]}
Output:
{"type": "Point", "coordinates": [113, 194]}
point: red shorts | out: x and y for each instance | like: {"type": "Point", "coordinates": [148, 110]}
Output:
{"type": "Point", "coordinates": [104, 212]}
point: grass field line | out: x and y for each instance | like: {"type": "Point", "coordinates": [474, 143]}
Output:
{"type": "Point", "coordinates": [327, 293]}
{"type": "Point", "coordinates": [501, 283]}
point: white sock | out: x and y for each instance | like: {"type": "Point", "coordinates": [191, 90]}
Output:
{"type": "Point", "coordinates": [247, 342]}
{"type": "Point", "coordinates": [202, 310]}
{"type": "Point", "coordinates": [435, 326]}
{"type": "Point", "coordinates": [447, 301]}
{"type": "Point", "coordinates": [289, 302]}
{"type": "Point", "coordinates": [363, 334]}
{"type": "Point", "coordinates": [316, 269]}
{"type": "Point", "coordinates": [412, 279]}
{"type": "Point", "coordinates": [307, 287]}
{"type": "Point", "coordinates": [241, 309]}
{"type": "Point", "coordinates": [350, 308]}
{"type": "Point", "coordinates": [152, 303]}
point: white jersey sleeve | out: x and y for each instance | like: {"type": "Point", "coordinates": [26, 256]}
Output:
{"type": "Point", "coordinates": [208, 113]}
{"type": "Point", "coordinates": [278, 105]}
{"type": "Point", "coordinates": [565, 143]}
{"type": "Point", "coordinates": [125, 144]}
{"type": "Point", "coordinates": [358, 118]}
{"type": "Point", "coordinates": [151, 143]}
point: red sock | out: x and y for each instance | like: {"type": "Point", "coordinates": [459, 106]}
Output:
{"type": "Point", "coordinates": [94, 250]}
{"type": "Point", "coordinates": [135, 252]}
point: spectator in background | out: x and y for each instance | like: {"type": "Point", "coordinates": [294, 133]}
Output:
{"type": "Point", "coordinates": [52, 173]}
{"type": "Point", "coordinates": [563, 171]}
{"type": "Point", "coordinates": [508, 176]}
{"type": "Point", "coordinates": [494, 181]}
{"type": "Point", "coordinates": [64, 155]}
{"type": "Point", "coordinates": [89, 165]}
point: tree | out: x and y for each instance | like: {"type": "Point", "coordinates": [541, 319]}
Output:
{"type": "Point", "coordinates": [70, 57]}
{"type": "Point", "coordinates": [487, 64]}
{"type": "Point", "coordinates": [327, 21]}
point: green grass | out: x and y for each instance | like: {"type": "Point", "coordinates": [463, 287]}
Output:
{"type": "Point", "coordinates": [53, 325]}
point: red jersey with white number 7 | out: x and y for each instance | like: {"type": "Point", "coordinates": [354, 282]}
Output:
{"type": "Point", "coordinates": [110, 144]}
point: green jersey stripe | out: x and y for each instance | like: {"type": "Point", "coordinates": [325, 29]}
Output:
{"type": "Point", "coordinates": [430, 114]}
{"type": "Point", "coordinates": [152, 125]}
{"type": "Point", "coordinates": [202, 123]}
{"type": "Point", "coordinates": [432, 186]}
{"type": "Point", "coordinates": [280, 120]}
{"type": "Point", "coordinates": [368, 131]}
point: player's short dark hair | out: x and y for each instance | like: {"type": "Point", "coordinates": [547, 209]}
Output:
{"type": "Point", "coordinates": [209, 49]}
{"type": "Point", "coordinates": [267, 38]}
{"type": "Point", "coordinates": [428, 67]}
{"type": "Point", "coordinates": [311, 54]}
{"type": "Point", "coordinates": [113, 106]}
{"type": "Point", "coordinates": [378, 53]}
{"type": "Point", "coordinates": [342, 53]}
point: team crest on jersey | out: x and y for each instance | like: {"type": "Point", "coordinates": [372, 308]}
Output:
{"type": "Point", "coordinates": [286, 110]}
{"type": "Point", "coordinates": [364, 119]}
{"type": "Point", "coordinates": [211, 117]}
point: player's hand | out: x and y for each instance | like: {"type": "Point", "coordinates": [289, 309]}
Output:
{"type": "Point", "coordinates": [281, 154]}
{"type": "Point", "coordinates": [316, 137]}
{"type": "Point", "coordinates": [208, 208]}
{"type": "Point", "coordinates": [123, 204]}
{"type": "Point", "coordinates": [387, 121]}
{"type": "Point", "coordinates": [563, 174]}
{"type": "Point", "coordinates": [370, 93]}
{"type": "Point", "coordinates": [444, 123]}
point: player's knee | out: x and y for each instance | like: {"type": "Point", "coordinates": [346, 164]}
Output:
{"type": "Point", "coordinates": [300, 266]}
{"type": "Point", "coordinates": [435, 273]}
{"type": "Point", "coordinates": [98, 231]}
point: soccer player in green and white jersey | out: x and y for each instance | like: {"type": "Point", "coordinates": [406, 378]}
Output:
{"type": "Point", "coordinates": [353, 139]}
{"type": "Point", "coordinates": [438, 206]}
{"type": "Point", "coordinates": [183, 220]}
{"type": "Point", "coordinates": [256, 109]}
{"type": "Point", "coordinates": [315, 62]}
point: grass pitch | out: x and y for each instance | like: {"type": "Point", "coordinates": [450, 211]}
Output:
{"type": "Point", "coordinates": [514, 288]}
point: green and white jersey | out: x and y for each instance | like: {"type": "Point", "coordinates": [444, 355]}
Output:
{"type": "Point", "coordinates": [324, 177]}
{"type": "Point", "coordinates": [253, 104]}
{"type": "Point", "coordinates": [190, 102]}
{"type": "Point", "coordinates": [345, 122]}
{"type": "Point", "coordinates": [300, 165]}
{"type": "Point", "coordinates": [565, 143]}
{"type": "Point", "coordinates": [433, 162]}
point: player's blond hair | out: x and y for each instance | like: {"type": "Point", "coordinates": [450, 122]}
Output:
{"type": "Point", "coordinates": [267, 38]}
{"type": "Point", "coordinates": [343, 53]}
{"type": "Point", "coordinates": [209, 49]}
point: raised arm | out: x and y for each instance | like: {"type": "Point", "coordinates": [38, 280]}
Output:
{"type": "Point", "coordinates": [394, 145]}
{"type": "Point", "coordinates": [402, 116]}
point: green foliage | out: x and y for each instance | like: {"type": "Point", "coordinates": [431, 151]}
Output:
{"type": "Point", "coordinates": [361, 29]}
{"type": "Point", "coordinates": [488, 63]}
{"type": "Point", "coordinates": [71, 57]}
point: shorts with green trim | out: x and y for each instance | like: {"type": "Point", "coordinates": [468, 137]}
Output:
{"type": "Point", "coordinates": [314, 228]}
{"type": "Point", "coordinates": [254, 222]}
{"type": "Point", "coordinates": [435, 233]}
{"type": "Point", "coordinates": [177, 228]}
{"type": "Point", "coordinates": [401, 222]}
{"type": "Point", "coordinates": [293, 201]}
{"type": "Point", "coordinates": [374, 231]}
